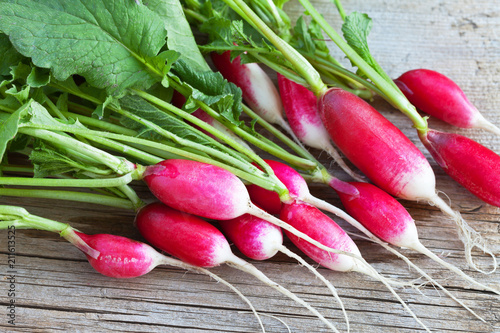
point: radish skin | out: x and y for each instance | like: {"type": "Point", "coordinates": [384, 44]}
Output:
{"type": "Point", "coordinates": [301, 109]}
{"type": "Point", "coordinates": [199, 243]}
{"type": "Point", "coordinates": [387, 157]}
{"type": "Point", "coordinates": [440, 97]}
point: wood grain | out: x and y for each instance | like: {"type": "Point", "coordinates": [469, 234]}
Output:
{"type": "Point", "coordinates": [57, 290]}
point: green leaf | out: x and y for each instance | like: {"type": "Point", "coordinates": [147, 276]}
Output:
{"type": "Point", "coordinates": [179, 35]}
{"type": "Point", "coordinates": [9, 127]}
{"type": "Point", "coordinates": [19, 93]}
{"type": "Point", "coordinates": [210, 88]}
{"type": "Point", "coordinates": [49, 161]}
{"type": "Point", "coordinates": [112, 43]}
{"type": "Point", "coordinates": [8, 55]}
{"type": "Point", "coordinates": [145, 110]}
{"type": "Point", "coordinates": [38, 77]}
{"type": "Point", "coordinates": [356, 28]}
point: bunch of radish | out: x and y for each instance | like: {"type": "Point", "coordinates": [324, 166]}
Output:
{"type": "Point", "coordinates": [199, 166]}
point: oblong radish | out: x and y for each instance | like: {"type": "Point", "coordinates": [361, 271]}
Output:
{"type": "Point", "coordinates": [206, 190]}
{"type": "Point", "coordinates": [261, 240]}
{"type": "Point", "coordinates": [301, 109]}
{"type": "Point", "coordinates": [440, 97]}
{"type": "Point", "coordinates": [198, 188]}
{"type": "Point", "coordinates": [387, 157]}
{"type": "Point", "coordinates": [121, 257]}
{"type": "Point", "coordinates": [377, 147]}
{"type": "Point", "coordinates": [197, 242]}
{"type": "Point", "coordinates": [481, 176]}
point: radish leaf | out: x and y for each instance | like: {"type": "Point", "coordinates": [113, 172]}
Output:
{"type": "Point", "coordinates": [356, 28]}
{"type": "Point", "coordinates": [114, 44]}
{"type": "Point", "coordinates": [179, 35]}
{"type": "Point", "coordinates": [8, 55]}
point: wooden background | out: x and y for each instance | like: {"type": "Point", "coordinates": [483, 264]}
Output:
{"type": "Point", "coordinates": [57, 290]}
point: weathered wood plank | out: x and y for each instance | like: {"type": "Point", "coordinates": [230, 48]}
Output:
{"type": "Point", "coordinates": [56, 289]}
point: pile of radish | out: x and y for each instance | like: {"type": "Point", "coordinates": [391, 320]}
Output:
{"type": "Point", "coordinates": [218, 172]}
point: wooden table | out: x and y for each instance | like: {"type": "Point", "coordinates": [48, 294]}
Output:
{"type": "Point", "coordinates": [57, 290]}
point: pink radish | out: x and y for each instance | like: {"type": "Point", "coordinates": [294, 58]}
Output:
{"type": "Point", "coordinates": [301, 109]}
{"type": "Point", "coordinates": [110, 255]}
{"type": "Point", "coordinates": [387, 157]}
{"type": "Point", "coordinates": [198, 243]}
{"type": "Point", "coordinates": [314, 223]}
{"type": "Point", "coordinates": [261, 240]}
{"type": "Point", "coordinates": [207, 191]}
{"type": "Point", "coordinates": [387, 219]}
{"type": "Point", "coordinates": [440, 97]}
{"type": "Point", "coordinates": [377, 214]}
{"type": "Point", "coordinates": [121, 257]}
{"type": "Point", "coordinates": [481, 177]}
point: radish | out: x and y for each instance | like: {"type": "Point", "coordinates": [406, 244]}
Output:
{"type": "Point", "coordinates": [198, 243]}
{"type": "Point", "coordinates": [440, 97]}
{"type": "Point", "coordinates": [110, 255]}
{"type": "Point", "coordinates": [387, 219]}
{"type": "Point", "coordinates": [387, 157]}
{"type": "Point", "coordinates": [301, 109]}
{"type": "Point", "coordinates": [374, 212]}
{"type": "Point", "coordinates": [480, 178]}
{"type": "Point", "coordinates": [208, 191]}
{"type": "Point", "coordinates": [261, 240]}
{"type": "Point", "coordinates": [314, 223]}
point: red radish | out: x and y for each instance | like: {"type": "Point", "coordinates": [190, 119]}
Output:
{"type": "Point", "coordinates": [481, 177]}
{"type": "Point", "coordinates": [121, 257]}
{"type": "Point", "coordinates": [314, 223]}
{"type": "Point", "coordinates": [301, 109]}
{"type": "Point", "coordinates": [387, 157]}
{"type": "Point", "coordinates": [110, 255]}
{"type": "Point", "coordinates": [261, 240]}
{"type": "Point", "coordinates": [207, 191]}
{"type": "Point", "coordinates": [387, 219]}
{"type": "Point", "coordinates": [440, 97]}
{"type": "Point", "coordinates": [198, 243]}
{"type": "Point", "coordinates": [377, 214]}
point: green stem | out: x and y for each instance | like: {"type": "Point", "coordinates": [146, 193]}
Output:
{"type": "Point", "coordinates": [280, 153]}
{"type": "Point", "coordinates": [132, 196]}
{"type": "Point", "coordinates": [91, 198]}
{"type": "Point", "coordinates": [120, 166]}
{"type": "Point", "coordinates": [16, 168]}
{"type": "Point", "coordinates": [51, 182]}
{"type": "Point", "coordinates": [222, 154]}
{"type": "Point", "coordinates": [340, 9]}
{"type": "Point", "coordinates": [19, 218]}
{"type": "Point", "coordinates": [295, 58]}
{"type": "Point", "coordinates": [388, 89]}
{"type": "Point", "coordinates": [125, 149]}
